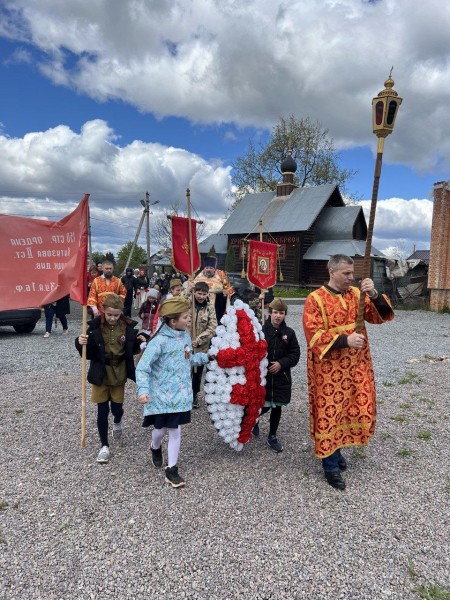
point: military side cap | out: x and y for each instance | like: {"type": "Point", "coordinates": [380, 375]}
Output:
{"type": "Point", "coordinates": [174, 306]}
{"type": "Point", "coordinates": [113, 301]}
{"type": "Point", "coordinates": [278, 304]}
{"type": "Point", "coordinates": [175, 282]}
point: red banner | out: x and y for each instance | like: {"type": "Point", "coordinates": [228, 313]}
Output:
{"type": "Point", "coordinates": [180, 246]}
{"type": "Point", "coordinates": [43, 261]}
{"type": "Point", "coordinates": [262, 264]}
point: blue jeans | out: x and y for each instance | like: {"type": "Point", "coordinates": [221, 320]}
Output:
{"type": "Point", "coordinates": [49, 319]}
{"type": "Point", "coordinates": [330, 463]}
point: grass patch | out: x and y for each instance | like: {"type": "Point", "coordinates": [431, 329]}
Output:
{"type": "Point", "coordinates": [432, 592]}
{"type": "Point", "coordinates": [418, 414]}
{"type": "Point", "coordinates": [388, 383]}
{"type": "Point", "coordinates": [424, 435]}
{"type": "Point", "coordinates": [405, 405]}
{"type": "Point", "coordinates": [409, 377]}
{"type": "Point", "coordinates": [399, 418]}
{"type": "Point", "coordinates": [19, 411]}
{"type": "Point", "coordinates": [291, 293]}
{"type": "Point", "coordinates": [3, 505]}
{"type": "Point", "coordinates": [404, 453]}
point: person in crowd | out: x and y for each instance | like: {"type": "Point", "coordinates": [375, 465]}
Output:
{"type": "Point", "coordinates": [92, 274]}
{"type": "Point", "coordinates": [163, 378]}
{"type": "Point", "coordinates": [143, 285]}
{"type": "Point", "coordinates": [203, 328]}
{"type": "Point", "coordinates": [219, 286]}
{"type": "Point", "coordinates": [341, 383]}
{"type": "Point", "coordinates": [99, 266]}
{"type": "Point", "coordinates": [104, 285]}
{"type": "Point", "coordinates": [111, 341]}
{"type": "Point", "coordinates": [175, 288]}
{"type": "Point", "coordinates": [283, 353]}
{"type": "Point", "coordinates": [60, 308]}
{"type": "Point", "coordinates": [148, 311]}
{"type": "Point", "coordinates": [131, 286]}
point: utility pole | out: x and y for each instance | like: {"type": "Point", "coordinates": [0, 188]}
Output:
{"type": "Point", "coordinates": [146, 204]}
{"type": "Point", "coordinates": [145, 215]}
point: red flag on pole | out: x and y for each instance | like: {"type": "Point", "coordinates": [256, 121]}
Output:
{"type": "Point", "coordinates": [180, 245]}
{"type": "Point", "coordinates": [43, 261]}
{"type": "Point", "coordinates": [262, 264]}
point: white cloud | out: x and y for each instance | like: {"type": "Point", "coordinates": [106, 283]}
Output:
{"type": "Point", "coordinates": [44, 174]}
{"type": "Point", "coordinates": [400, 222]}
{"type": "Point", "coordinates": [250, 62]}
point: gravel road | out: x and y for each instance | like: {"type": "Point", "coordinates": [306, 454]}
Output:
{"type": "Point", "coordinates": [251, 525]}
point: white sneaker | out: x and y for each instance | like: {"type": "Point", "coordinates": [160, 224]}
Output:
{"type": "Point", "coordinates": [65, 331]}
{"type": "Point", "coordinates": [103, 455]}
{"type": "Point", "coordinates": [47, 334]}
{"type": "Point", "coordinates": [117, 431]}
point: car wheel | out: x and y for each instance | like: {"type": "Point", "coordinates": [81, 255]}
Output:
{"type": "Point", "coordinates": [27, 328]}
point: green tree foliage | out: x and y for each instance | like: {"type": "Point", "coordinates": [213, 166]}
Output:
{"type": "Point", "coordinates": [96, 257]}
{"type": "Point", "coordinates": [258, 170]}
{"type": "Point", "coordinates": [230, 260]}
{"type": "Point", "coordinates": [138, 258]}
{"type": "Point", "coordinates": [110, 256]}
{"type": "Point", "coordinates": [212, 251]}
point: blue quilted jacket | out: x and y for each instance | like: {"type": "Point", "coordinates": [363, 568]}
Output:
{"type": "Point", "coordinates": [164, 372]}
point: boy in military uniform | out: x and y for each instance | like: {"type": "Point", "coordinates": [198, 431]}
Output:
{"type": "Point", "coordinates": [111, 341]}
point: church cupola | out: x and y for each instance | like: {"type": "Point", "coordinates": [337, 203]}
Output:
{"type": "Point", "coordinates": [288, 168]}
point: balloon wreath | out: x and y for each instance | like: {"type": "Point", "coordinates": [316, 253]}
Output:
{"type": "Point", "coordinates": [235, 380]}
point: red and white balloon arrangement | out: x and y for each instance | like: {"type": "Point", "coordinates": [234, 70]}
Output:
{"type": "Point", "coordinates": [235, 380]}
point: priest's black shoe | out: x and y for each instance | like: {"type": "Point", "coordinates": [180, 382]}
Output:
{"type": "Point", "coordinates": [342, 463]}
{"type": "Point", "coordinates": [334, 478]}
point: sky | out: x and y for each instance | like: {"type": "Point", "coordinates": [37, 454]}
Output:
{"type": "Point", "coordinates": [119, 97]}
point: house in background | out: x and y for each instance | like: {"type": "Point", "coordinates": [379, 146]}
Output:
{"type": "Point", "coordinates": [309, 224]}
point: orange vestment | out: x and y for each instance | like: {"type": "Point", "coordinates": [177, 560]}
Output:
{"type": "Point", "coordinates": [341, 384]}
{"type": "Point", "coordinates": [101, 287]}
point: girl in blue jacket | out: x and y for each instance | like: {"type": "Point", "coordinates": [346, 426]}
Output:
{"type": "Point", "coordinates": [163, 378]}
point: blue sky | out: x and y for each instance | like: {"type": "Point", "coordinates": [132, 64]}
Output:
{"type": "Point", "coordinates": [124, 97]}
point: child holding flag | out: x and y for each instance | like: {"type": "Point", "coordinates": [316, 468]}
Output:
{"type": "Point", "coordinates": [111, 341]}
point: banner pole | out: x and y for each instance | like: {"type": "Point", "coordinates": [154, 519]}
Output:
{"type": "Point", "coordinates": [263, 292]}
{"type": "Point", "coordinates": [83, 380]}
{"type": "Point", "coordinates": [191, 258]}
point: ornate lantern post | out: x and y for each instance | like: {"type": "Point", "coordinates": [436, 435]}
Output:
{"type": "Point", "coordinates": [384, 110]}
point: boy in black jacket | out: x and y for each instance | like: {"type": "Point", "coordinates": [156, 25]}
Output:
{"type": "Point", "coordinates": [111, 343]}
{"type": "Point", "coordinates": [283, 353]}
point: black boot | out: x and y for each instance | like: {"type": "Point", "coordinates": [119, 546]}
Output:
{"type": "Point", "coordinates": [173, 477]}
{"type": "Point", "coordinates": [334, 478]}
{"type": "Point", "coordinates": [157, 458]}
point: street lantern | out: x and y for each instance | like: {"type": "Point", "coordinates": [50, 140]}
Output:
{"type": "Point", "coordinates": [384, 110]}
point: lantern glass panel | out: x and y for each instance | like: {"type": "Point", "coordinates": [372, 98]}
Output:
{"type": "Point", "coordinates": [379, 112]}
{"type": "Point", "coordinates": [392, 109]}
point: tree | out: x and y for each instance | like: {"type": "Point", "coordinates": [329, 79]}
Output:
{"type": "Point", "coordinates": [258, 170]}
{"type": "Point", "coordinates": [230, 260]}
{"type": "Point", "coordinates": [138, 258]}
{"type": "Point", "coordinates": [110, 256]}
{"type": "Point", "coordinates": [96, 257]}
{"type": "Point", "coordinates": [161, 228]}
{"type": "Point", "coordinates": [212, 252]}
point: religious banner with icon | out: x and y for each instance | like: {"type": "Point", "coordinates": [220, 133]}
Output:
{"type": "Point", "coordinates": [262, 264]}
{"type": "Point", "coordinates": [180, 246]}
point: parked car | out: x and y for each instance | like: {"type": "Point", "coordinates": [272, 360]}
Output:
{"type": "Point", "coordinates": [22, 319]}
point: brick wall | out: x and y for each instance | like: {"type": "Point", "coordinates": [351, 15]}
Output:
{"type": "Point", "coordinates": [439, 269]}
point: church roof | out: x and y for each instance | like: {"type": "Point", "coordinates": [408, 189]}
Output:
{"type": "Point", "coordinates": [337, 223]}
{"type": "Point", "coordinates": [296, 212]}
{"type": "Point", "coordinates": [219, 241]}
{"type": "Point", "coordinates": [323, 250]}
